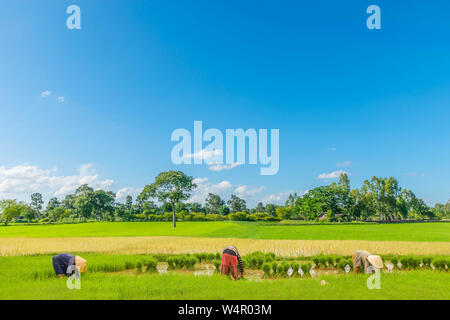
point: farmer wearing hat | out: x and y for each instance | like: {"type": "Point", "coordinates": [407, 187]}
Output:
{"type": "Point", "coordinates": [61, 263]}
{"type": "Point", "coordinates": [364, 258]}
{"type": "Point", "coordinates": [230, 259]}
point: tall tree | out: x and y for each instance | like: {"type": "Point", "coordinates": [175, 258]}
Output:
{"type": "Point", "coordinates": [236, 204]}
{"type": "Point", "coordinates": [10, 209]}
{"type": "Point", "coordinates": [172, 186]}
{"type": "Point", "coordinates": [260, 207]}
{"type": "Point", "coordinates": [213, 203]}
{"type": "Point", "coordinates": [36, 204]}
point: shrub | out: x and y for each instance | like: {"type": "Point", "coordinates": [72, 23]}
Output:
{"type": "Point", "coordinates": [330, 261]}
{"type": "Point", "coordinates": [266, 269]}
{"type": "Point", "coordinates": [394, 259]}
{"type": "Point", "coordinates": [129, 265]}
{"type": "Point", "coordinates": [295, 267]}
{"type": "Point", "coordinates": [280, 270]}
{"type": "Point", "coordinates": [151, 264]}
{"type": "Point", "coordinates": [217, 264]}
{"type": "Point", "coordinates": [171, 263]}
{"type": "Point", "coordinates": [189, 262]}
{"type": "Point", "coordinates": [139, 267]}
{"type": "Point", "coordinates": [410, 262]}
{"type": "Point", "coordinates": [274, 267]}
{"type": "Point", "coordinates": [306, 267]}
{"type": "Point", "coordinates": [440, 263]}
{"type": "Point", "coordinates": [210, 257]}
{"type": "Point", "coordinates": [426, 260]}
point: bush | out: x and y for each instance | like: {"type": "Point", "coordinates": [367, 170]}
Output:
{"type": "Point", "coordinates": [151, 264]}
{"type": "Point", "coordinates": [217, 264]}
{"type": "Point", "coordinates": [410, 262]}
{"type": "Point", "coordinates": [129, 265]}
{"type": "Point", "coordinates": [426, 260]}
{"type": "Point", "coordinates": [280, 270]}
{"type": "Point", "coordinates": [171, 263]}
{"type": "Point", "coordinates": [295, 267]}
{"type": "Point", "coordinates": [306, 267]}
{"type": "Point", "coordinates": [274, 267]}
{"type": "Point", "coordinates": [139, 267]}
{"type": "Point", "coordinates": [266, 269]}
{"type": "Point", "coordinates": [441, 263]}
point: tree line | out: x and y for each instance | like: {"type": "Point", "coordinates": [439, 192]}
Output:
{"type": "Point", "coordinates": [379, 199]}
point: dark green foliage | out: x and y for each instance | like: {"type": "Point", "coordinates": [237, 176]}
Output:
{"type": "Point", "coordinates": [151, 264]}
{"type": "Point", "coordinates": [274, 267]}
{"type": "Point", "coordinates": [217, 264]}
{"type": "Point", "coordinates": [266, 268]}
{"type": "Point", "coordinates": [440, 263]}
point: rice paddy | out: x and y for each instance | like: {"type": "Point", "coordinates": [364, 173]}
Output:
{"type": "Point", "coordinates": [114, 251]}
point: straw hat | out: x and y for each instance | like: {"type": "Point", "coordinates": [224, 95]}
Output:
{"type": "Point", "coordinates": [81, 264]}
{"type": "Point", "coordinates": [376, 261]}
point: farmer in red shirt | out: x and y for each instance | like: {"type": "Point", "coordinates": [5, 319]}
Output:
{"type": "Point", "coordinates": [230, 259]}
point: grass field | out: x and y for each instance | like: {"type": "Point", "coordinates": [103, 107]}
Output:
{"type": "Point", "coordinates": [245, 230]}
{"type": "Point", "coordinates": [26, 270]}
{"type": "Point", "coordinates": [32, 278]}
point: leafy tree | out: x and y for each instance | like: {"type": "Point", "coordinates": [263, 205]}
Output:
{"type": "Point", "coordinates": [103, 203]}
{"type": "Point", "coordinates": [213, 203]}
{"type": "Point", "coordinates": [36, 204]}
{"type": "Point", "coordinates": [11, 209]}
{"type": "Point", "coordinates": [84, 206]}
{"type": "Point", "coordinates": [195, 207]}
{"type": "Point", "coordinates": [129, 202]}
{"type": "Point", "coordinates": [172, 186]}
{"type": "Point", "coordinates": [260, 207]}
{"type": "Point", "coordinates": [53, 203]}
{"type": "Point", "coordinates": [236, 204]}
{"type": "Point", "coordinates": [224, 210]}
{"type": "Point", "coordinates": [271, 209]}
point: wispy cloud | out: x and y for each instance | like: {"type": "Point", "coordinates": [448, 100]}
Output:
{"type": "Point", "coordinates": [45, 93]}
{"type": "Point", "coordinates": [20, 181]}
{"type": "Point", "coordinates": [61, 99]}
{"type": "Point", "coordinates": [414, 174]}
{"type": "Point", "coordinates": [332, 175]}
{"type": "Point", "coordinates": [344, 164]}
{"type": "Point", "coordinates": [246, 191]}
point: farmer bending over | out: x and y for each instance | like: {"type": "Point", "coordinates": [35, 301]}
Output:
{"type": "Point", "coordinates": [63, 261]}
{"type": "Point", "coordinates": [364, 258]}
{"type": "Point", "coordinates": [230, 259]}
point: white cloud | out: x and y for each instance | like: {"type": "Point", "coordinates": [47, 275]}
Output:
{"type": "Point", "coordinates": [277, 198]}
{"type": "Point", "coordinates": [61, 99]}
{"type": "Point", "coordinates": [204, 187]}
{"type": "Point", "coordinates": [122, 193]}
{"type": "Point", "coordinates": [20, 181]}
{"type": "Point", "coordinates": [45, 93]}
{"type": "Point", "coordinates": [246, 191]}
{"type": "Point", "coordinates": [332, 149]}
{"type": "Point", "coordinates": [414, 174]}
{"type": "Point", "coordinates": [332, 175]}
{"type": "Point", "coordinates": [220, 167]}
{"type": "Point", "coordinates": [344, 164]}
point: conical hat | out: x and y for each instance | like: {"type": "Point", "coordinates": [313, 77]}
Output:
{"type": "Point", "coordinates": [81, 263]}
{"type": "Point", "coordinates": [376, 261]}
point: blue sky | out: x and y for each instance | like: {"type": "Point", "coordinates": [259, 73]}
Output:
{"type": "Point", "coordinates": [368, 102]}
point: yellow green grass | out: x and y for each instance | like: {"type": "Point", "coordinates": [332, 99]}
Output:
{"type": "Point", "coordinates": [439, 232]}
{"type": "Point", "coordinates": [137, 245]}
{"type": "Point", "coordinates": [31, 278]}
